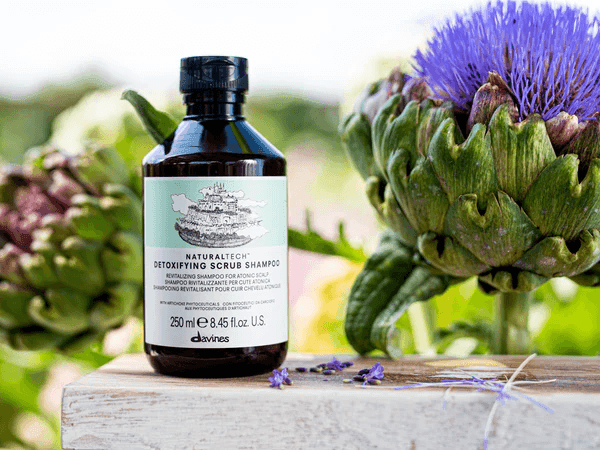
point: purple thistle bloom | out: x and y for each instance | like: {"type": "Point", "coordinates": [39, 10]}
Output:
{"type": "Point", "coordinates": [549, 57]}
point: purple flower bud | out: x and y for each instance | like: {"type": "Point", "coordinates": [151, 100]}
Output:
{"type": "Point", "coordinates": [586, 145]}
{"type": "Point", "coordinates": [31, 199]}
{"type": "Point", "coordinates": [416, 89]}
{"type": "Point", "coordinates": [9, 263]}
{"type": "Point", "coordinates": [64, 187]}
{"type": "Point", "coordinates": [374, 96]}
{"type": "Point", "coordinates": [55, 159]}
{"type": "Point", "coordinates": [561, 129]}
{"type": "Point", "coordinates": [20, 228]}
{"type": "Point", "coordinates": [11, 178]}
{"type": "Point", "coordinates": [488, 98]}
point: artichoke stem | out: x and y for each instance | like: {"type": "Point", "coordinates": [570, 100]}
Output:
{"type": "Point", "coordinates": [512, 336]}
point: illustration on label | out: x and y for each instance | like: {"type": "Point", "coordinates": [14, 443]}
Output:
{"type": "Point", "coordinates": [220, 219]}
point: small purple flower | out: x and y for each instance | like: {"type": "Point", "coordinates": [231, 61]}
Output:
{"type": "Point", "coordinates": [548, 55]}
{"type": "Point", "coordinates": [280, 378]}
{"type": "Point", "coordinates": [335, 364]}
{"type": "Point", "coordinates": [375, 375]}
{"type": "Point", "coordinates": [376, 372]}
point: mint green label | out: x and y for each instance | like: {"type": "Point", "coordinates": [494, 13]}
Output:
{"type": "Point", "coordinates": [220, 212]}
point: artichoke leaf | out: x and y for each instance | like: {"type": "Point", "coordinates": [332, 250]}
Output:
{"type": "Point", "coordinates": [123, 258]}
{"type": "Point", "coordinates": [374, 188]}
{"type": "Point", "coordinates": [418, 192]}
{"type": "Point", "coordinates": [62, 311]}
{"type": "Point", "coordinates": [54, 229]}
{"type": "Point", "coordinates": [401, 133]}
{"type": "Point", "coordinates": [553, 257]}
{"type": "Point", "coordinates": [449, 256]}
{"type": "Point", "coordinates": [431, 119]}
{"type": "Point", "coordinates": [78, 266]}
{"type": "Point", "coordinates": [414, 129]}
{"type": "Point", "coordinates": [559, 205]}
{"type": "Point", "coordinates": [14, 301]}
{"type": "Point", "coordinates": [111, 310]}
{"type": "Point", "coordinates": [123, 207]}
{"type": "Point", "coordinates": [589, 278]}
{"type": "Point", "coordinates": [419, 285]}
{"type": "Point", "coordinates": [465, 168]}
{"type": "Point", "coordinates": [382, 275]}
{"type": "Point", "coordinates": [88, 219]}
{"type": "Point", "coordinates": [97, 166]}
{"type": "Point", "coordinates": [38, 270]}
{"type": "Point", "coordinates": [387, 113]}
{"type": "Point", "coordinates": [520, 150]}
{"type": "Point", "coordinates": [586, 144]}
{"type": "Point", "coordinates": [80, 342]}
{"type": "Point", "coordinates": [498, 237]}
{"type": "Point", "coordinates": [34, 339]}
{"type": "Point", "coordinates": [396, 219]}
{"type": "Point", "coordinates": [355, 132]}
{"type": "Point", "coordinates": [510, 280]}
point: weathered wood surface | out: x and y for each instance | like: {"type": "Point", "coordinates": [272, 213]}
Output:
{"type": "Point", "coordinates": [125, 405]}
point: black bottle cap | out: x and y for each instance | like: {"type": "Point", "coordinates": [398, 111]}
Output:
{"type": "Point", "coordinates": [199, 73]}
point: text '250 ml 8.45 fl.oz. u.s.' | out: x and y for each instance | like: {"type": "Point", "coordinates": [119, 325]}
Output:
{"type": "Point", "coordinates": [215, 211]}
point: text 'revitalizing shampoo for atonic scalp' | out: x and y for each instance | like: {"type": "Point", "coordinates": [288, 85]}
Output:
{"type": "Point", "coordinates": [215, 232]}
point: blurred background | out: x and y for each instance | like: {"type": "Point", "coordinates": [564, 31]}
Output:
{"type": "Point", "coordinates": [65, 64]}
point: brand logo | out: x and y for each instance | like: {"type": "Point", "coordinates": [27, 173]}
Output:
{"type": "Point", "coordinates": [205, 339]}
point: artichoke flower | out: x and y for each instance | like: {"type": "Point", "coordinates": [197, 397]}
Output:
{"type": "Point", "coordinates": [70, 248]}
{"type": "Point", "coordinates": [483, 163]}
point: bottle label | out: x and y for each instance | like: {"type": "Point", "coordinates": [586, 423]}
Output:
{"type": "Point", "coordinates": [215, 262]}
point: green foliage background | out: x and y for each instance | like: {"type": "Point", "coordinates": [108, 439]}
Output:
{"type": "Point", "coordinates": [564, 319]}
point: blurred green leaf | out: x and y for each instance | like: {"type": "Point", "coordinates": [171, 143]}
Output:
{"type": "Point", "coordinates": [573, 328]}
{"type": "Point", "coordinates": [311, 241]}
{"type": "Point", "coordinates": [27, 121]}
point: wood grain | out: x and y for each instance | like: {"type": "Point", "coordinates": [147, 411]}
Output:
{"type": "Point", "coordinates": [125, 405]}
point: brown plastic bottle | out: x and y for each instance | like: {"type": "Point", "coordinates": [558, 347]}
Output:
{"type": "Point", "coordinates": [215, 203]}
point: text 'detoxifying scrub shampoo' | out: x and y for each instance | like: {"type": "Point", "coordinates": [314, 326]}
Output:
{"type": "Point", "coordinates": [215, 235]}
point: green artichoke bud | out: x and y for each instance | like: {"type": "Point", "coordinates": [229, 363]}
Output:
{"type": "Point", "coordinates": [499, 204]}
{"type": "Point", "coordinates": [482, 193]}
{"type": "Point", "coordinates": [98, 166]}
{"type": "Point", "coordinates": [70, 250]}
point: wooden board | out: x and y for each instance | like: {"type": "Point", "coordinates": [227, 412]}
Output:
{"type": "Point", "coordinates": [125, 405]}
